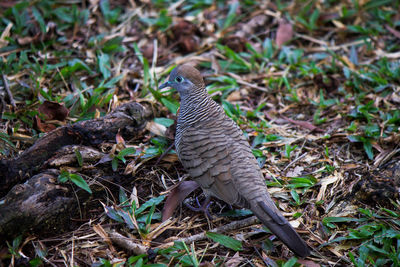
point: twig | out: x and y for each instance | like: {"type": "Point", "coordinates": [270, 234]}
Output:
{"type": "Point", "coordinates": [127, 21]}
{"type": "Point", "coordinates": [155, 56]}
{"type": "Point", "coordinates": [225, 228]}
{"type": "Point", "coordinates": [297, 156]}
{"type": "Point", "coordinates": [311, 39]}
{"type": "Point", "coordinates": [7, 87]}
{"type": "Point", "coordinates": [335, 47]}
{"type": "Point", "coordinates": [127, 243]}
{"type": "Point", "coordinates": [259, 255]}
{"type": "Point", "coordinates": [2, 106]}
{"type": "Point", "coordinates": [71, 262]}
{"type": "Point", "coordinates": [295, 160]}
{"type": "Point", "coordinates": [240, 81]}
{"type": "Point", "coordinates": [165, 153]}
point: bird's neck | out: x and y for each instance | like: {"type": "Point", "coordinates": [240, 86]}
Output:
{"type": "Point", "coordinates": [195, 108]}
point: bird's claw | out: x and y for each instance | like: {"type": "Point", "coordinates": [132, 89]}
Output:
{"type": "Point", "coordinates": [201, 207]}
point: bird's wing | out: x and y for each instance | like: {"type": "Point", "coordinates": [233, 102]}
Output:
{"type": "Point", "coordinates": [204, 152]}
{"type": "Point", "coordinates": [217, 156]}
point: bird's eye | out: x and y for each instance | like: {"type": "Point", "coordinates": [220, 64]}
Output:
{"type": "Point", "coordinates": [179, 79]}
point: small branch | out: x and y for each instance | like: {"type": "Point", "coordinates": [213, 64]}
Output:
{"type": "Point", "coordinates": [334, 47]}
{"type": "Point", "coordinates": [165, 153]}
{"type": "Point", "coordinates": [240, 81]}
{"type": "Point", "coordinates": [225, 228]}
{"type": "Point", "coordinates": [7, 87]}
{"type": "Point", "coordinates": [2, 106]}
{"type": "Point", "coordinates": [127, 243]}
{"type": "Point", "coordinates": [294, 161]}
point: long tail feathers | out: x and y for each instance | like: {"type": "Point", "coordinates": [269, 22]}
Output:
{"type": "Point", "coordinates": [278, 225]}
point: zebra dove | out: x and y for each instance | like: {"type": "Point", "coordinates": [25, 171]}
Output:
{"type": "Point", "coordinates": [215, 153]}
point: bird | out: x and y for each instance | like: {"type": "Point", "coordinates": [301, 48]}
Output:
{"type": "Point", "coordinates": [216, 155]}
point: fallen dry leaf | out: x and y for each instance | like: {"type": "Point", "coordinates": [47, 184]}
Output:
{"type": "Point", "coordinates": [304, 124]}
{"type": "Point", "coordinates": [176, 196]}
{"type": "Point", "coordinates": [53, 110]}
{"type": "Point", "coordinates": [186, 34]}
{"type": "Point", "coordinates": [295, 172]}
{"type": "Point", "coordinates": [234, 261]}
{"type": "Point", "coordinates": [236, 43]}
{"type": "Point", "coordinates": [42, 126]}
{"type": "Point", "coordinates": [119, 139]}
{"type": "Point", "coordinates": [324, 184]}
{"type": "Point", "coordinates": [284, 33]}
{"type": "Point", "coordinates": [234, 96]}
{"type": "Point", "coordinates": [28, 39]}
{"type": "Point", "coordinates": [156, 128]}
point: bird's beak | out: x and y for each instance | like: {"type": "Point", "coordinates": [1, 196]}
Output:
{"type": "Point", "coordinates": [167, 84]}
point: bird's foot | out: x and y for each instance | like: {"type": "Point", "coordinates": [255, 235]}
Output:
{"type": "Point", "coordinates": [201, 207]}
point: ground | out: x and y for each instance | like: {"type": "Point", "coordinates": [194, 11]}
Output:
{"type": "Point", "coordinates": [314, 85]}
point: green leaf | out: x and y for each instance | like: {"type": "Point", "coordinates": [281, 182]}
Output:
{"type": "Point", "coordinates": [154, 201]}
{"type": "Point", "coordinates": [150, 215]}
{"type": "Point", "coordinates": [352, 128]}
{"type": "Point", "coordinates": [375, 248]}
{"type": "Point", "coordinates": [63, 177]}
{"type": "Point", "coordinates": [295, 196]}
{"type": "Point", "coordinates": [36, 261]}
{"type": "Point", "coordinates": [39, 19]}
{"type": "Point", "coordinates": [231, 15]}
{"type": "Point", "coordinates": [79, 157]}
{"type": "Point", "coordinates": [104, 63]}
{"type": "Point", "coordinates": [127, 151]}
{"type": "Point", "coordinates": [226, 241]}
{"type": "Point", "coordinates": [114, 45]}
{"type": "Point", "coordinates": [164, 121]}
{"type": "Point", "coordinates": [171, 106]}
{"type": "Point", "coordinates": [234, 56]}
{"type": "Point", "coordinates": [163, 20]}
{"type": "Point", "coordinates": [111, 83]}
{"type": "Point", "coordinates": [133, 259]}
{"type": "Point", "coordinates": [374, 4]}
{"type": "Point", "coordinates": [127, 219]}
{"type": "Point", "coordinates": [306, 181]}
{"type": "Point", "coordinates": [114, 164]}
{"type": "Point", "coordinates": [290, 262]}
{"type": "Point", "coordinates": [368, 149]}
{"type": "Point", "coordinates": [313, 19]}
{"type": "Point", "coordinates": [113, 214]}
{"type": "Point", "coordinates": [289, 149]}
{"type": "Point", "coordinates": [139, 263]}
{"type": "Point", "coordinates": [5, 137]}
{"type": "Point", "coordinates": [16, 242]}
{"type": "Point", "coordinates": [80, 182]}
{"type": "Point", "coordinates": [352, 258]}
{"type": "Point", "coordinates": [392, 213]}
{"type": "Point", "coordinates": [74, 65]}
{"type": "Point", "coordinates": [339, 219]}
{"type": "Point", "coordinates": [110, 15]}
{"type": "Point", "coordinates": [123, 198]}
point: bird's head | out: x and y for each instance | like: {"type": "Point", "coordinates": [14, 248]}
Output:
{"type": "Point", "coordinates": [185, 79]}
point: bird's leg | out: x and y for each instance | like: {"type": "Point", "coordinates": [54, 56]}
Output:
{"type": "Point", "coordinates": [202, 207]}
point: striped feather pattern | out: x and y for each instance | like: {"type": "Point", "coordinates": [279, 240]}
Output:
{"type": "Point", "coordinates": [217, 156]}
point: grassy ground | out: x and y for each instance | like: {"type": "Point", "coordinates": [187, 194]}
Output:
{"type": "Point", "coordinates": [315, 86]}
